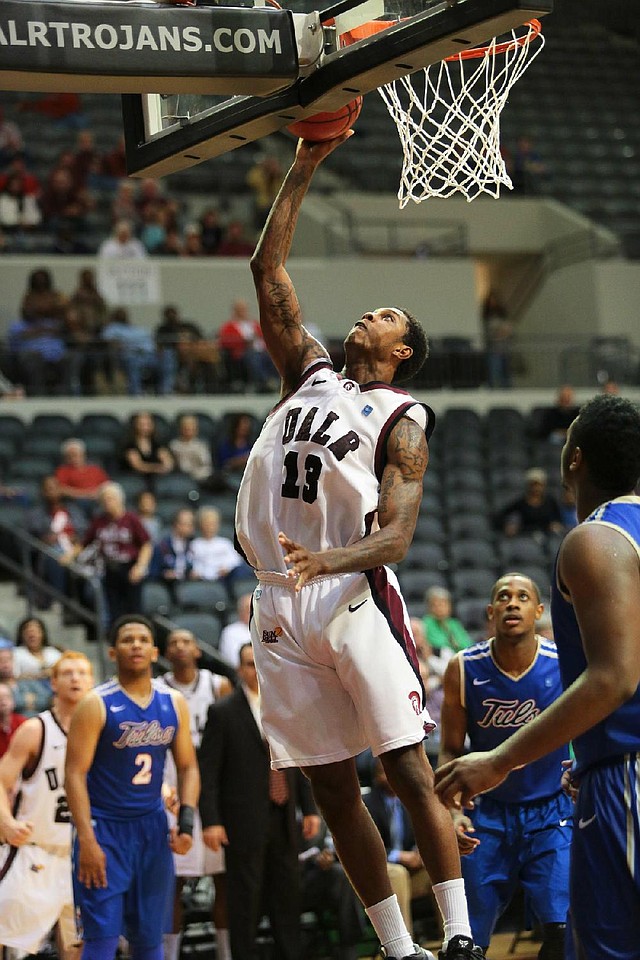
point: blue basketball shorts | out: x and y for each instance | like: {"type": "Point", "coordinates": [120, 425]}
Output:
{"type": "Point", "coordinates": [138, 899]}
{"type": "Point", "coordinates": [526, 843]}
{"type": "Point", "coordinates": [605, 862]}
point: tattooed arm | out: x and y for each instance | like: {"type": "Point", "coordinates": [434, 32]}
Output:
{"type": "Point", "coordinates": [290, 346]}
{"type": "Point", "coordinates": [398, 505]}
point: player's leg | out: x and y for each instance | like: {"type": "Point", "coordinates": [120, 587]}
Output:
{"type": "Point", "coordinates": [220, 917]}
{"type": "Point", "coordinates": [149, 898]}
{"type": "Point", "coordinates": [173, 940]}
{"type": "Point", "coordinates": [102, 909]}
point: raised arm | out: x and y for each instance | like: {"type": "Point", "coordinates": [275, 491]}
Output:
{"type": "Point", "coordinates": [24, 748]}
{"type": "Point", "coordinates": [86, 725]}
{"type": "Point", "coordinates": [398, 506]}
{"type": "Point", "coordinates": [290, 346]}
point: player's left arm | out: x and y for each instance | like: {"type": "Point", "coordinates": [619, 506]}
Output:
{"type": "Point", "coordinates": [600, 570]}
{"type": "Point", "coordinates": [453, 731]}
{"type": "Point", "coordinates": [398, 506]}
{"type": "Point", "coordinates": [188, 772]}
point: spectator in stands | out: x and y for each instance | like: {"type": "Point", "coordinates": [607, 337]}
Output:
{"type": "Point", "coordinates": [498, 333]}
{"type": "Point", "coordinates": [173, 244]}
{"type": "Point", "coordinates": [143, 454]}
{"type": "Point", "coordinates": [33, 656]}
{"type": "Point", "coordinates": [132, 351]}
{"type": "Point", "coordinates": [79, 480]}
{"type": "Point", "coordinates": [58, 525]}
{"type": "Point", "coordinates": [443, 632]}
{"type": "Point", "coordinates": [147, 510]}
{"type": "Point", "coordinates": [172, 559]}
{"type": "Point", "coordinates": [557, 419]}
{"type": "Point", "coordinates": [214, 557]}
{"type": "Point", "coordinates": [264, 180]}
{"type": "Point", "coordinates": [535, 512]}
{"type": "Point", "coordinates": [89, 302]}
{"type": "Point", "coordinates": [171, 336]}
{"type": "Point", "coordinates": [30, 696]}
{"type": "Point", "coordinates": [11, 140]}
{"type": "Point", "coordinates": [86, 161]}
{"type": "Point", "coordinates": [235, 243]}
{"type": "Point", "coordinates": [19, 209]}
{"type": "Point", "coordinates": [528, 167]}
{"type": "Point", "coordinates": [64, 204]}
{"type": "Point", "coordinates": [124, 206]}
{"type": "Point", "coordinates": [611, 387]}
{"type": "Point", "coordinates": [41, 300]}
{"type": "Point", "coordinates": [36, 341]}
{"type": "Point", "coordinates": [30, 183]}
{"type": "Point", "coordinates": [192, 246]}
{"type": "Point", "coordinates": [64, 108]}
{"type": "Point", "coordinates": [122, 244]}
{"type": "Point", "coordinates": [432, 670]}
{"type": "Point", "coordinates": [124, 549]}
{"type": "Point", "coordinates": [568, 508]}
{"type": "Point", "coordinates": [236, 634]}
{"type": "Point", "coordinates": [243, 349]}
{"type": "Point", "coordinates": [114, 164]}
{"type": "Point", "coordinates": [191, 454]}
{"type": "Point", "coordinates": [9, 719]}
{"type": "Point", "coordinates": [197, 358]}
{"type": "Point", "coordinates": [233, 449]}
{"type": "Point", "coordinates": [211, 231]}
{"type": "Point", "coordinates": [153, 228]}
{"type": "Point", "coordinates": [84, 321]}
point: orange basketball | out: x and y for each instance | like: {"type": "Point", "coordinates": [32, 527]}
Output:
{"type": "Point", "coordinates": [326, 126]}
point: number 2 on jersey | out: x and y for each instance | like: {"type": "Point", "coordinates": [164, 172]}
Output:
{"type": "Point", "coordinates": [312, 470]}
{"type": "Point", "coordinates": [144, 761]}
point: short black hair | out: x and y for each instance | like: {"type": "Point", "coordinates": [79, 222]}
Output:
{"type": "Point", "coordinates": [607, 430]}
{"type": "Point", "coordinates": [416, 338]}
{"type": "Point", "coordinates": [510, 576]}
{"type": "Point", "coordinates": [115, 627]}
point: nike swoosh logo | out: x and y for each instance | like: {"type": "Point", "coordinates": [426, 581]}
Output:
{"type": "Point", "coordinates": [478, 683]}
{"type": "Point", "coordinates": [585, 823]}
{"type": "Point", "coordinates": [317, 381]}
{"type": "Point", "coordinates": [352, 609]}
{"type": "Point", "coordinates": [563, 823]}
{"type": "Point", "coordinates": [118, 709]}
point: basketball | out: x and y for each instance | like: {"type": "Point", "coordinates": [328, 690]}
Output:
{"type": "Point", "coordinates": [326, 126]}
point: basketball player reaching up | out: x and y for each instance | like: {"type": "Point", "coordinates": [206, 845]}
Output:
{"type": "Point", "coordinates": [35, 856]}
{"type": "Point", "coordinates": [330, 495]}
{"type": "Point", "coordinates": [595, 608]}
{"type": "Point", "coordinates": [521, 831]}
{"type": "Point", "coordinates": [122, 865]}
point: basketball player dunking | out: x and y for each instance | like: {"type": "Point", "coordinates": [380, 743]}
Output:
{"type": "Point", "coordinates": [330, 494]}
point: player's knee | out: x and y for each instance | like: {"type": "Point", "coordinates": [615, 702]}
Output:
{"type": "Point", "coordinates": [147, 953]}
{"type": "Point", "coordinates": [553, 940]}
{"type": "Point", "coordinates": [100, 949]}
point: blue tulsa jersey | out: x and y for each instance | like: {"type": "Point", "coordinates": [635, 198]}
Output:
{"type": "Point", "coordinates": [498, 705]}
{"type": "Point", "coordinates": [619, 733]}
{"type": "Point", "coordinates": [125, 778]}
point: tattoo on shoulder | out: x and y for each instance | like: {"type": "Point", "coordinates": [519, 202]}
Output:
{"type": "Point", "coordinates": [408, 449]}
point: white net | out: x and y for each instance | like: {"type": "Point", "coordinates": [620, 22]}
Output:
{"type": "Point", "coordinates": [448, 119]}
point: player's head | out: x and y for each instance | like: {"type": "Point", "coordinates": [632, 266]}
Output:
{"type": "Point", "coordinates": [515, 606]}
{"type": "Point", "coordinates": [71, 676]}
{"type": "Point", "coordinates": [247, 667]}
{"type": "Point", "coordinates": [603, 446]}
{"type": "Point", "coordinates": [389, 335]}
{"type": "Point", "coordinates": [182, 648]}
{"type": "Point", "coordinates": [132, 643]}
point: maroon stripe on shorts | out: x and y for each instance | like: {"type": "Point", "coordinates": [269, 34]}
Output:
{"type": "Point", "coordinates": [13, 852]}
{"type": "Point", "coordinates": [389, 602]}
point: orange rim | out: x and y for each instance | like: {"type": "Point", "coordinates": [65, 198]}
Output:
{"type": "Point", "coordinates": [372, 27]}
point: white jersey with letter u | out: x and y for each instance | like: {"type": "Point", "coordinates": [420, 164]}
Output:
{"type": "Point", "coordinates": [41, 798]}
{"type": "Point", "coordinates": [315, 470]}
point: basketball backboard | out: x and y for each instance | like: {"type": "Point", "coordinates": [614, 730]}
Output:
{"type": "Point", "coordinates": [167, 132]}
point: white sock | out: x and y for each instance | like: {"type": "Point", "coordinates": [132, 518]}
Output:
{"type": "Point", "coordinates": [452, 902]}
{"type": "Point", "coordinates": [223, 946]}
{"type": "Point", "coordinates": [171, 944]}
{"type": "Point", "coordinates": [390, 928]}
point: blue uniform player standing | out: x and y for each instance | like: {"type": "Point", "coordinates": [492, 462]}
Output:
{"type": "Point", "coordinates": [521, 830]}
{"type": "Point", "coordinates": [119, 736]}
{"type": "Point", "coordinates": [596, 614]}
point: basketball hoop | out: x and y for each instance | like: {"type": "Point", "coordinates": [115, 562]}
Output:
{"type": "Point", "coordinates": [448, 115]}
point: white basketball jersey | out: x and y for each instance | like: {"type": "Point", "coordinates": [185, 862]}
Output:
{"type": "Point", "coordinates": [315, 470]}
{"type": "Point", "coordinates": [199, 696]}
{"type": "Point", "coordinates": [41, 797]}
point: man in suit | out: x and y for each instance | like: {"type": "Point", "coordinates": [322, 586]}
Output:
{"type": "Point", "coordinates": [251, 811]}
{"type": "Point", "coordinates": [407, 874]}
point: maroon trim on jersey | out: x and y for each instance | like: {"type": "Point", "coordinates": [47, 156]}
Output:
{"type": "Point", "coordinates": [380, 458]}
{"type": "Point", "coordinates": [389, 603]}
{"type": "Point", "coordinates": [368, 522]}
{"type": "Point", "coordinates": [13, 852]}
{"type": "Point", "coordinates": [316, 365]}
{"type": "Point", "coordinates": [30, 769]}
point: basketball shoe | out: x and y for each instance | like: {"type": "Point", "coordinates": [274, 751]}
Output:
{"type": "Point", "coordinates": [461, 948]}
{"type": "Point", "coordinates": [419, 953]}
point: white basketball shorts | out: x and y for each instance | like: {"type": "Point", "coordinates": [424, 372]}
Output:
{"type": "Point", "coordinates": [337, 667]}
{"type": "Point", "coordinates": [200, 861]}
{"type": "Point", "coordinates": [35, 894]}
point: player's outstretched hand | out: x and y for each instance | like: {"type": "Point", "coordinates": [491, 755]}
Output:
{"type": "Point", "coordinates": [316, 152]}
{"type": "Point", "coordinates": [304, 564]}
{"type": "Point", "coordinates": [180, 843]}
{"type": "Point", "coordinates": [18, 832]}
{"type": "Point", "coordinates": [92, 865]}
{"type": "Point", "coordinates": [460, 780]}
